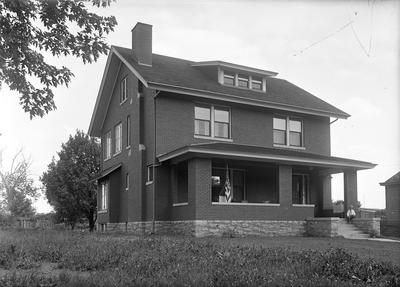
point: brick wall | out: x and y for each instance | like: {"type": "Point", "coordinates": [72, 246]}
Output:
{"type": "Point", "coordinates": [393, 202]}
{"type": "Point", "coordinates": [250, 125]}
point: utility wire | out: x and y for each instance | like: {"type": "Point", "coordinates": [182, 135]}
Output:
{"type": "Point", "coordinates": [325, 38]}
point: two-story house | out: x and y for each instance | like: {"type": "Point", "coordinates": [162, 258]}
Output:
{"type": "Point", "coordinates": [209, 147]}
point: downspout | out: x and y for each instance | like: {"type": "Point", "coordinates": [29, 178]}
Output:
{"type": "Point", "coordinates": [153, 227]}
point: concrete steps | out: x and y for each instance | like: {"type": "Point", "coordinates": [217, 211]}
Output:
{"type": "Point", "coordinates": [349, 231]}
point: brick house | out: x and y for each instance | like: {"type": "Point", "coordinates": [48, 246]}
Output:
{"type": "Point", "coordinates": [174, 131]}
{"type": "Point", "coordinates": [391, 223]}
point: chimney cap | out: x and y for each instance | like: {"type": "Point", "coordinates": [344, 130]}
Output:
{"type": "Point", "coordinates": [141, 23]}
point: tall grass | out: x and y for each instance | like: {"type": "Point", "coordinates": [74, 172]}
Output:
{"type": "Point", "coordinates": [152, 261]}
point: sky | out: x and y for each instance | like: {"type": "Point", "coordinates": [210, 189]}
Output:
{"type": "Point", "coordinates": [346, 53]}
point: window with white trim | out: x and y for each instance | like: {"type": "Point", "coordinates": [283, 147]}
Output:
{"type": "Point", "coordinates": [124, 91]}
{"type": "Point", "coordinates": [243, 81]}
{"type": "Point", "coordinates": [104, 195]}
{"type": "Point", "coordinates": [202, 121]}
{"type": "Point", "coordinates": [107, 145]}
{"type": "Point", "coordinates": [256, 84]}
{"type": "Point", "coordinates": [212, 121]}
{"type": "Point", "coordinates": [287, 131]}
{"type": "Point", "coordinates": [128, 131]}
{"type": "Point", "coordinates": [118, 138]}
{"type": "Point", "coordinates": [150, 173]}
{"type": "Point", "coordinates": [229, 78]}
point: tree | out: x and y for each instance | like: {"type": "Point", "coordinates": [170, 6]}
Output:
{"type": "Point", "coordinates": [70, 182]}
{"type": "Point", "coordinates": [17, 188]}
{"type": "Point", "coordinates": [30, 27]}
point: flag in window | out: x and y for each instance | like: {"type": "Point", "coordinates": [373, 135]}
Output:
{"type": "Point", "coordinates": [227, 186]}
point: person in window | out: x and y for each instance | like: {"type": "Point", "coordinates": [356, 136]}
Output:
{"type": "Point", "coordinates": [350, 214]}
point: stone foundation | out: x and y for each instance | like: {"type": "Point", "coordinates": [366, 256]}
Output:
{"type": "Point", "coordinates": [322, 226]}
{"type": "Point", "coordinates": [371, 226]}
{"type": "Point", "coordinates": [390, 228]}
{"type": "Point", "coordinates": [201, 228]}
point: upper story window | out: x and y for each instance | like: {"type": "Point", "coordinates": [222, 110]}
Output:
{"type": "Point", "coordinates": [107, 145]}
{"type": "Point", "coordinates": [229, 78]}
{"type": "Point", "coordinates": [128, 131]}
{"type": "Point", "coordinates": [124, 91]}
{"type": "Point", "coordinates": [202, 121]}
{"type": "Point", "coordinates": [243, 81]}
{"type": "Point", "coordinates": [104, 195]}
{"type": "Point", "coordinates": [211, 121]}
{"type": "Point", "coordinates": [118, 138]}
{"type": "Point", "coordinates": [288, 131]}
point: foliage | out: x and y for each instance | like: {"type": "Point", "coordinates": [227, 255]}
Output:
{"type": "Point", "coordinates": [17, 188]}
{"type": "Point", "coordinates": [106, 260]}
{"type": "Point", "coordinates": [30, 27]}
{"type": "Point", "coordinates": [70, 183]}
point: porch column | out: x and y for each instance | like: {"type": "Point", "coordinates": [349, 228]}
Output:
{"type": "Point", "coordinates": [285, 185]}
{"type": "Point", "coordinates": [327, 195]}
{"type": "Point", "coordinates": [350, 189]}
{"type": "Point", "coordinates": [199, 184]}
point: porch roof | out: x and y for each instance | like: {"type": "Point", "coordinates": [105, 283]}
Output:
{"type": "Point", "coordinates": [257, 153]}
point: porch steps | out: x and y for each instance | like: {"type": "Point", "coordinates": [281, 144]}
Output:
{"type": "Point", "coordinates": [349, 231]}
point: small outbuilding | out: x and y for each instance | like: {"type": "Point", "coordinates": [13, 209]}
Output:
{"type": "Point", "coordinates": [391, 224]}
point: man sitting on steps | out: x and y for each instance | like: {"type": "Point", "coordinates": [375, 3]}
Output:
{"type": "Point", "coordinates": [350, 214]}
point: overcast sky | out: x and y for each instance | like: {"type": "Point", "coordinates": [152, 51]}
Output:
{"type": "Point", "coordinates": [346, 53]}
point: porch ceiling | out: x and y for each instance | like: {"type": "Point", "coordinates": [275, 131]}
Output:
{"type": "Point", "coordinates": [256, 153]}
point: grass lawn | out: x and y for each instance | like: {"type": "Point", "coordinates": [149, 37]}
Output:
{"type": "Point", "coordinates": [62, 258]}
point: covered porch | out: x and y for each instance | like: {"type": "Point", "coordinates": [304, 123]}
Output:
{"type": "Point", "coordinates": [265, 183]}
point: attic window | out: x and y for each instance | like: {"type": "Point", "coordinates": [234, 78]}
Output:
{"type": "Point", "coordinates": [243, 81]}
{"type": "Point", "coordinates": [256, 84]}
{"type": "Point", "coordinates": [229, 78]}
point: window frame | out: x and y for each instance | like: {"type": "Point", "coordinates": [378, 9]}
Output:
{"type": "Point", "coordinates": [229, 75]}
{"type": "Point", "coordinates": [107, 145]}
{"type": "Point", "coordinates": [128, 131]}
{"type": "Point", "coordinates": [150, 174]}
{"type": "Point", "coordinates": [212, 109]}
{"type": "Point", "coordinates": [198, 119]}
{"type": "Point", "coordinates": [105, 186]}
{"type": "Point", "coordinates": [237, 76]}
{"type": "Point", "coordinates": [123, 96]}
{"type": "Point", "coordinates": [118, 148]}
{"type": "Point", "coordinates": [288, 131]}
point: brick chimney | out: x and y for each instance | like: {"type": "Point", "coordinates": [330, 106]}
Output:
{"type": "Point", "coordinates": [142, 43]}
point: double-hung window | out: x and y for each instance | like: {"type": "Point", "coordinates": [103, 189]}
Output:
{"type": "Point", "coordinates": [212, 121]}
{"type": "Point", "coordinates": [150, 174]}
{"type": "Point", "coordinates": [124, 91]}
{"type": "Point", "coordinates": [221, 122]}
{"type": "Point", "coordinates": [104, 195]}
{"type": "Point", "coordinates": [118, 138]}
{"type": "Point", "coordinates": [288, 131]}
{"type": "Point", "coordinates": [128, 131]}
{"type": "Point", "coordinates": [202, 122]}
{"type": "Point", "coordinates": [107, 145]}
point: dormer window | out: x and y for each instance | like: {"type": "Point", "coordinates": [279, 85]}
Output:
{"type": "Point", "coordinates": [243, 81]}
{"type": "Point", "coordinates": [256, 83]}
{"type": "Point", "coordinates": [229, 78]}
